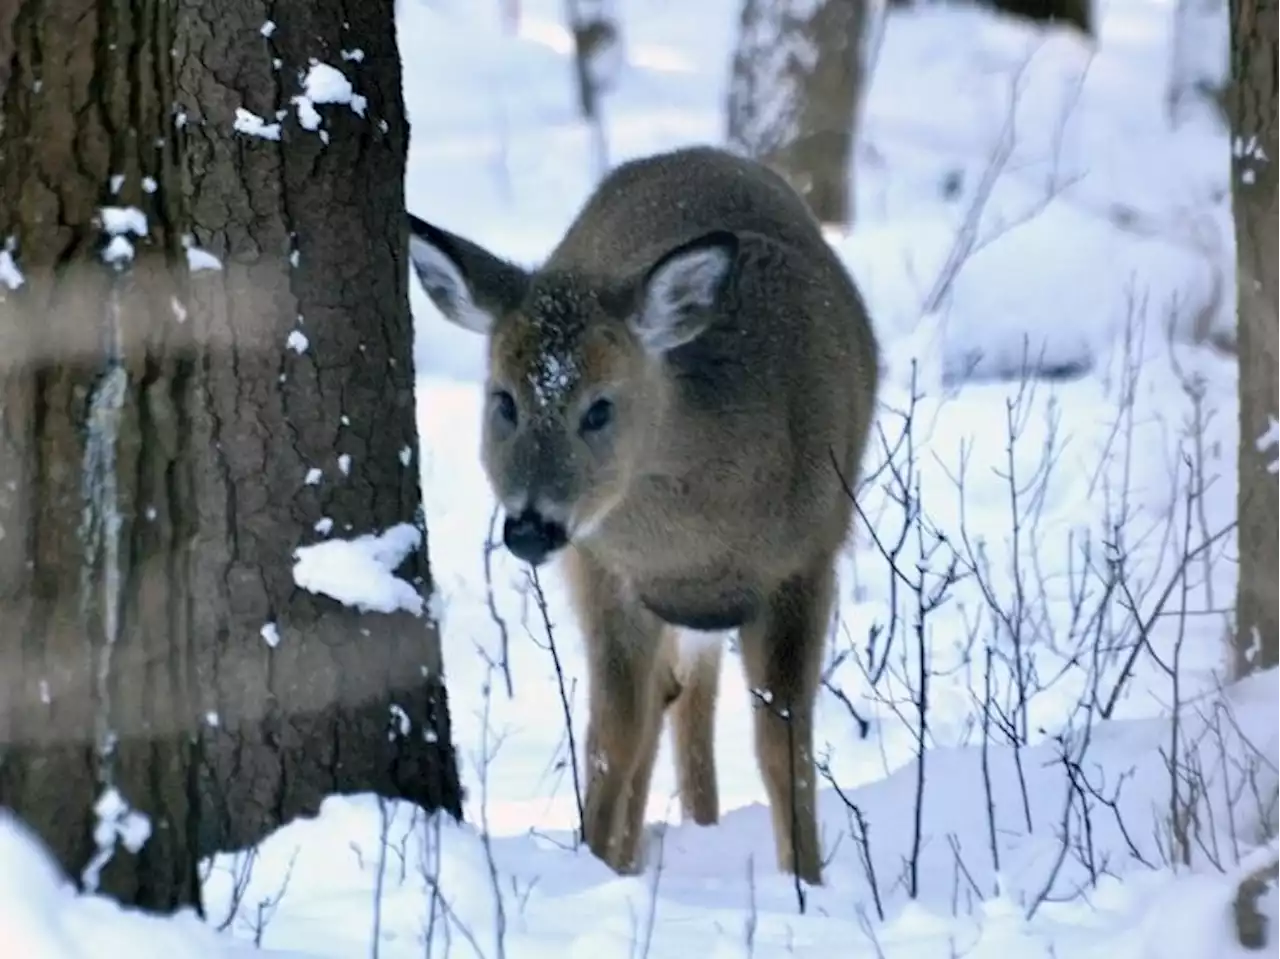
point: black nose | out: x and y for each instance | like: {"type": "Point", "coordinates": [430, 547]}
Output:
{"type": "Point", "coordinates": [532, 538]}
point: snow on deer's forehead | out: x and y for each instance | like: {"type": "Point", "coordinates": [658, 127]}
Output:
{"type": "Point", "coordinates": [552, 364]}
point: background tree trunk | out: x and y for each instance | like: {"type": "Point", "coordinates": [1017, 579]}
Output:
{"type": "Point", "coordinates": [1254, 154]}
{"type": "Point", "coordinates": [1076, 13]}
{"type": "Point", "coordinates": [795, 92]}
{"type": "Point", "coordinates": [597, 59]}
{"type": "Point", "coordinates": [157, 431]}
{"type": "Point", "coordinates": [597, 41]}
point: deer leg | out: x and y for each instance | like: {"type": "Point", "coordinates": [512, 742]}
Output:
{"type": "Point", "coordinates": [693, 730]}
{"type": "Point", "coordinates": [782, 658]}
{"type": "Point", "coordinates": [624, 700]}
{"type": "Point", "coordinates": [665, 689]}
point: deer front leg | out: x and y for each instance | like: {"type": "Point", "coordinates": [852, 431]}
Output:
{"type": "Point", "coordinates": [782, 657]}
{"type": "Point", "coordinates": [625, 704]}
{"type": "Point", "coordinates": [665, 689]}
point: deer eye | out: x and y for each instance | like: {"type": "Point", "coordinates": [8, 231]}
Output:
{"type": "Point", "coordinates": [504, 406]}
{"type": "Point", "coordinates": [598, 415]}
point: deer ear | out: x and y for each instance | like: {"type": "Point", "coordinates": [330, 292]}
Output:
{"type": "Point", "coordinates": [469, 285]}
{"type": "Point", "coordinates": [680, 291]}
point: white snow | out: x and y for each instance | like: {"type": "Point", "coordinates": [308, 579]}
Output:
{"type": "Point", "coordinates": [774, 52]}
{"type": "Point", "coordinates": [401, 724]}
{"type": "Point", "coordinates": [1270, 439]}
{"type": "Point", "coordinates": [116, 823]}
{"type": "Point", "coordinates": [323, 83]}
{"type": "Point", "coordinates": [270, 633]}
{"type": "Point", "coordinates": [360, 572]}
{"type": "Point", "coordinates": [10, 275]}
{"type": "Point", "coordinates": [42, 917]}
{"type": "Point", "coordinates": [297, 341]}
{"type": "Point", "coordinates": [117, 250]}
{"type": "Point", "coordinates": [119, 220]}
{"type": "Point", "coordinates": [251, 124]}
{"type": "Point", "coordinates": [308, 115]}
{"type": "Point", "coordinates": [1099, 249]}
{"type": "Point", "coordinates": [199, 258]}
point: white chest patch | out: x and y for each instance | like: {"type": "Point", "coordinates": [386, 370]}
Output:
{"type": "Point", "coordinates": [692, 646]}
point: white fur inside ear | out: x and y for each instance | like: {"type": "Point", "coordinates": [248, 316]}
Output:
{"type": "Point", "coordinates": [446, 286]}
{"type": "Point", "coordinates": [681, 286]}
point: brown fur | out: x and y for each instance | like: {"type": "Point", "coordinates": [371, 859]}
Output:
{"type": "Point", "coordinates": [1251, 920]}
{"type": "Point", "coordinates": [695, 292]}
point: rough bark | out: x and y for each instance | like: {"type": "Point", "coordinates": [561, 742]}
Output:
{"type": "Point", "coordinates": [794, 95]}
{"type": "Point", "coordinates": [1253, 92]}
{"type": "Point", "coordinates": [156, 432]}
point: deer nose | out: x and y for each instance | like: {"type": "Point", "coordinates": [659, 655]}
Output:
{"type": "Point", "coordinates": [531, 537]}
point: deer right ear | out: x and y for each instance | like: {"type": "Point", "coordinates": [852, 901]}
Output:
{"type": "Point", "coordinates": [681, 289]}
{"type": "Point", "coordinates": [466, 282]}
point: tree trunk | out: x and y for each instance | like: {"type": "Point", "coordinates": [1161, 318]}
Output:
{"type": "Point", "coordinates": [1076, 13]}
{"type": "Point", "coordinates": [794, 95]}
{"type": "Point", "coordinates": [160, 416]}
{"type": "Point", "coordinates": [597, 39]}
{"type": "Point", "coordinates": [1254, 155]}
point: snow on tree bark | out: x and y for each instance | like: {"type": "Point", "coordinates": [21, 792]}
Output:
{"type": "Point", "coordinates": [794, 93]}
{"type": "Point", "coordinates": [1252, 110]}
{"type": "Point", "coordinates": [161, 262]}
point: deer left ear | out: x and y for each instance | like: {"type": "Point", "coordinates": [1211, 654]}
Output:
{"type": "Point", "coordinates": [679, 293]}
{"type": "Point", "coordinates": [469, 285]}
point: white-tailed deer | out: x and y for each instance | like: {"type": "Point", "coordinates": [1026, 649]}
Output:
{"type": "Point", "coordinates": [677, 398]}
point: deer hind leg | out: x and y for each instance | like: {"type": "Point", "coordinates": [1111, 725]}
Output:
{"type": "Point", "coordinates": [626, 688]}
{"type": "Point", "coordinates": [782, 658]}
{"type": "Point", "coordinates": [693, 726]}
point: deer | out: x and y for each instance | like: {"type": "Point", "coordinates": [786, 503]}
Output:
{"type": "Point", "coordinates": [678, 398]}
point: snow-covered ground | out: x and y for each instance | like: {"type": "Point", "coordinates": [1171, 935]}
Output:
{"type": "Point", "coordinates": [1081, 515]}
